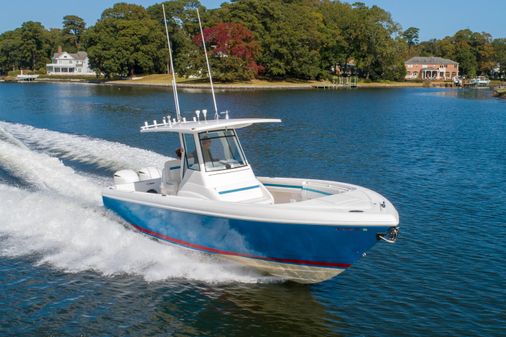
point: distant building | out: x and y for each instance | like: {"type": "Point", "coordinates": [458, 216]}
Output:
{"type": "Point", "coordinates": [431, 68]}
{"type": "Point", "coordinates": [496, 73]}
{"type": "Point", "coordinates": [347, 69]}
{"type": "Point", "coordinates": [64, 63]}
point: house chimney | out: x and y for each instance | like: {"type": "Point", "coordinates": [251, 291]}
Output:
{"type": "Point", "coordinates": [60, 50]}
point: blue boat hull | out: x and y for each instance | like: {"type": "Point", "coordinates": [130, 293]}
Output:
{"type": "Point", "coordinates": [304, 245]}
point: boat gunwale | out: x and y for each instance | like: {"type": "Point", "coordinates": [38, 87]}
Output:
{"type": "Point", "coordinates": [324, 215]}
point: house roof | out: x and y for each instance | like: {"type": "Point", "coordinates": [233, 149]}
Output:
{"type": "Point", "coordinates": [80, 55]}
{"type": "Point", "coordinates": [429, 60]}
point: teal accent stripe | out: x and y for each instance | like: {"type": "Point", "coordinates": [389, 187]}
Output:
{"type": "Point", "coordinates": [298, 187]}
{"type": "Point", "coordinates": [175, 168]}
{"type": "Point", "coordinates": [240, 189]}
{"type": "Point", "coordinates": [284, 186]}
{"type": "Point", "coordinates": [316, 191]}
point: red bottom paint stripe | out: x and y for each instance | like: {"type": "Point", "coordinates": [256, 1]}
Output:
{"type": "Point", "coordinates": [224, 252]}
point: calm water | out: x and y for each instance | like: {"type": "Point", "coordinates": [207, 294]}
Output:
{"type": "Point", "coordinates": [68, 267]}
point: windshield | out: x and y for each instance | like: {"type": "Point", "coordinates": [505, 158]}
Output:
{"type": "Point", "coordinates": [221, 150]}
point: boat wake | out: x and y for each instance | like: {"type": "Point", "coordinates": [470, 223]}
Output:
{"type": "Point", "coordinates": [60, 220]}
{"type": "Point", "coordinates": [101, 153]}
{"type": "Point", "coordinates": [47, 173]}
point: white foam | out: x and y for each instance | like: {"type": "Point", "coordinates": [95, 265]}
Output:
{"type": "Point", "coordinates": [47, 173]}
{"type": "Point", "coordinates": [73, 238]}
{"type": "Point", "coordinates": [99, 152]}
{"type": "Point", "coordinates": [8, 137]}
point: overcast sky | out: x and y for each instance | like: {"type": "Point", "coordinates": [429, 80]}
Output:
{"type": "Point", "coordinates": [434, 18]}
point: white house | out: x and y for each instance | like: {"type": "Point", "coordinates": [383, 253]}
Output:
{"type": "Point", "coordinates": [64, 63]}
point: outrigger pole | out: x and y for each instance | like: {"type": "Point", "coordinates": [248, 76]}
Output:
{"type": "Point", "coordinates": [208, 66]}
{"type": "Point", "coordinates": [174, 86]}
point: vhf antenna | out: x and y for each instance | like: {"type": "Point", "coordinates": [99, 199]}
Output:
{"type": "Point", "coordinates": [208, 67]}
{"type": "Point", "coordinates": [174, 86]}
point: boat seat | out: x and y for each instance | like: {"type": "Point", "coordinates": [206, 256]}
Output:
{"type": "Point", "coordinates": [171, 177]}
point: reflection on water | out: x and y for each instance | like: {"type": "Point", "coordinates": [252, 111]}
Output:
{"type": "Point", "coordinates": [254, 310]}
{"type": "Point", "coordinates": [282, 309]}
{"type": "Point", "coordinates": [467, 93]}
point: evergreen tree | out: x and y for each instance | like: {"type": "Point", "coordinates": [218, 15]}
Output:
{"type": "Point", "coordinates": [73, 29]}
{"type": "Point", "coordinates": [35, 48]}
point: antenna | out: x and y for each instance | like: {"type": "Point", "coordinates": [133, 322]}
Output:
{"type": "Point", "coordinates": [208, 67]}
{"type": "Point", "coordinates": [174, 86]}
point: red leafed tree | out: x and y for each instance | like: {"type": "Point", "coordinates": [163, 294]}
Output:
{"type": "Point", "coordinates": [233, 50]}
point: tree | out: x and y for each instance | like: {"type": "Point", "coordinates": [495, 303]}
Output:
{"type": "Point", "coordinates": [464, 53]}
{"type": "Point", "coordinates": [411, 36]}
{"type": "Point", "coordinates": [473, 51]}
{"type": "Point", "coordinates": [126, 41]}
{"type": "Point", "coordinates": [35, 48]}
{"type": "Point", "coordinates": [335, 48]}
{"type": "Point", "coordinates": [183, 26]}
{"type": "Point", "coordinates": [484, 51]}
{"type": "Point", "coordinates": [290, 34]}
{"type": "Point", "coordinates": [55, 37]}
{"type": "Point", "coordinates": [233, 52]}
{"type": "Point", "coordinates": [373, 42]}
{"type": "Point", "coordinates": [10, 51]}
{"type": "Point", "coordinates": [500, 54]}
{"type": "Point", "coordinates": [73, 29]}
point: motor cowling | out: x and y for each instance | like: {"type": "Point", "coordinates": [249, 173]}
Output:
{"type": "Point", "coordinates": [125, 177]}
{"type": "Point", "coordinates": [147, 173]}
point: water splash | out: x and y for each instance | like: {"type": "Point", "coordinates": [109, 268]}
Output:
{"type": "Point", "coordinates": [47, 173]}
{"type": "Point", "coordinates": [66, 235]}
{"type": "Point", "coordinates": [9, 138]}
{"type": "Point", "coordinates": [99, 152]}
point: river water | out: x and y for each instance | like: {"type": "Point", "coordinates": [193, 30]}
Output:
{"type": "Point", "coordinates": [68, 267]}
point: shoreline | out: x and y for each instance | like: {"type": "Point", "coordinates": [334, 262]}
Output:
{"type": "Point", "coordinates": [163, 81]}
{"type": "Point", "coordinates": [274, 86]}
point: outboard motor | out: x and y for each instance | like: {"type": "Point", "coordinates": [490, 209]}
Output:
{"type": "Point", "coordinates": [147, 173]}
{"type": "Point", "coordinates": [125, 180]}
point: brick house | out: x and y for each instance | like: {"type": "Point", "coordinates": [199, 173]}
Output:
{"type": "Point", "coordinates": [431, 68]}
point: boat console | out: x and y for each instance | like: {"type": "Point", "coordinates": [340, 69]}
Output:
{"type": "Point", "coordinates": [212, 165]}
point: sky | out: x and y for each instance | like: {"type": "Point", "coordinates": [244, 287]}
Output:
{"type": "Point", "coordinates": [434, 18]}
{"type": "Point", "coordinates": [437, 19]}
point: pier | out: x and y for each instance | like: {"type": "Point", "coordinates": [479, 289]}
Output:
{"type": "Point", "coordinates": [340, 82]}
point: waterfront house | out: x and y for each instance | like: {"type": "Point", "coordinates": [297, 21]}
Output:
{"type": "Point", "coordinates": [431, 68]}
{"type": "Point", "coordinates": [63, 63]}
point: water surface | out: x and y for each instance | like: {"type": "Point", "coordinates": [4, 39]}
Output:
{"type": "Point", "coordinates": [68, 267]}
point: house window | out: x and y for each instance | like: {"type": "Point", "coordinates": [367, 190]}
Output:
{"type": "Point", "coordinates": [415, 73]}
{"type": "Point", "coordinates": [447, 74]}
{"type": "Point", "coordinates": [454, 74]}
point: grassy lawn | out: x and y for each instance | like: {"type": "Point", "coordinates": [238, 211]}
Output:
{"type": "Point", "coordinates": [165, 79]}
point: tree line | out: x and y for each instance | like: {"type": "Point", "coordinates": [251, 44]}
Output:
{"type": "Point", "coordinates": [276, 39]}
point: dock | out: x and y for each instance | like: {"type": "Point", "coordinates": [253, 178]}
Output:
{"type": "Point", "coordinates": [341, 82]}
{"type": "Point", "coordinates": [26, 78]}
